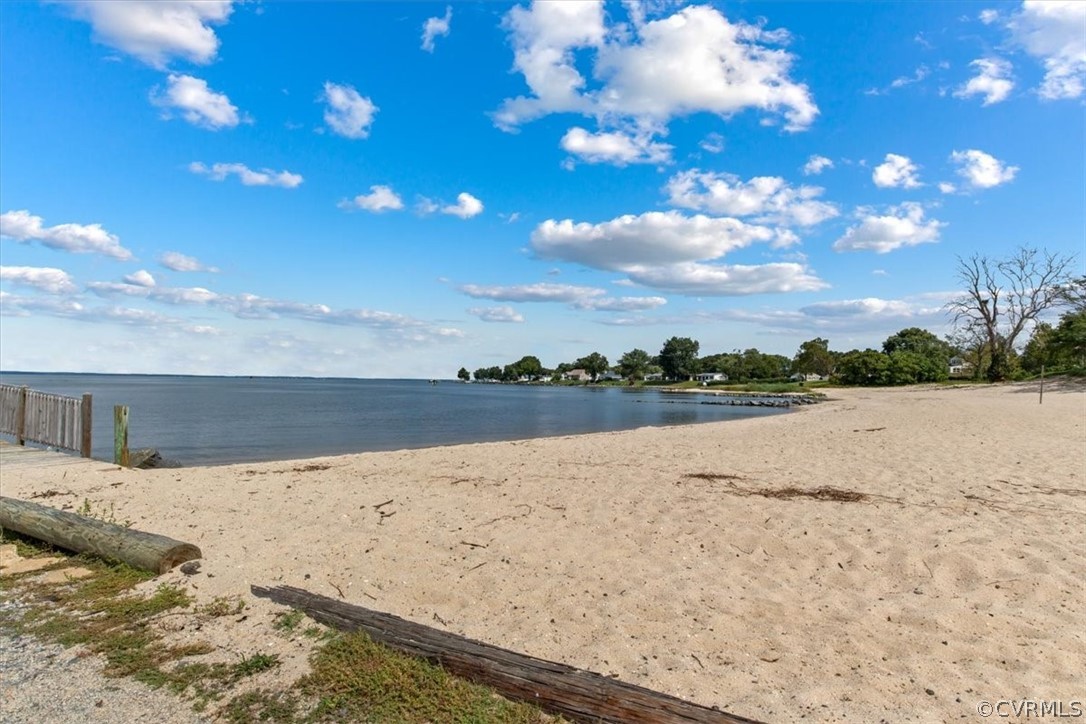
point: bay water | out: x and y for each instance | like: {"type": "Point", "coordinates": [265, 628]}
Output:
{"type": "Point", "coordinates": [218, 420]}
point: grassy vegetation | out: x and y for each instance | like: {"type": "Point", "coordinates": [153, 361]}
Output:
{"type": "Point", "coordinates": [355, 679]}
{"type": "Point", "coordinates": [352, 678]}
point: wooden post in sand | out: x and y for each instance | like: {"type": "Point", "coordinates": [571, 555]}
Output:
{"type": "Point", "coordinates": [85, 426]}
{"type": "Point", "coordinates": [120, 435]}
{"type": "Point", "coordinates": [20, 417]}
{"type": "Point", "coordinates": [1041, 397]}
{"type": "Point", "coordinates": [146, 551]}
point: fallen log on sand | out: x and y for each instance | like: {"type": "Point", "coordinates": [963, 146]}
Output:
{"type": "Point", "coordinates": [146, 551]}
{"type": "Point", "coordinates": [576, 694]}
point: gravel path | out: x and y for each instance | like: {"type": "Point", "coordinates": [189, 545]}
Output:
{"type": "Point", "coordinates": [45, 683]}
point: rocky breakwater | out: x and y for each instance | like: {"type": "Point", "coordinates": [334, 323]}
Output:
{"type": "Point", "coordinates": [754, 399]}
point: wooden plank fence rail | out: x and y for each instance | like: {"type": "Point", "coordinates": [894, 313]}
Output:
{"type": "Point", "coordinates": [43, 417]}
{"type": "Point", "coordinates": [579, 695]}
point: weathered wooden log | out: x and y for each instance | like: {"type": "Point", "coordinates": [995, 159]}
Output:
{"type": "Point", "coordinates": [146, 551]}
{"type": "Point", "coordinates": [577, 694]}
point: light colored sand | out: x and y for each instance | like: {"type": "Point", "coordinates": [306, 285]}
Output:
{"type": "Point", "coordinates": [964, 574]}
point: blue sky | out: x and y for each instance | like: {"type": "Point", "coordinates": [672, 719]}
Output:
{"type": "Point", "coordinates": [373, 189]}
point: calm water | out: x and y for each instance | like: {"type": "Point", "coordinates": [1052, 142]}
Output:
{"type": "Point", "coordinates": [211, 420]}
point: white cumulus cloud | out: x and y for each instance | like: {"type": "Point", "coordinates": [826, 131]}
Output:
{"type": "Point", "coordinates": [816, 164]}
{"type": "Point", "coordinates": [196, 102]}
{"type": "Point", "coordinates": [896, 172]}
{"type": "Point", "coordinates": [981, 170]}
{"type": "Point", "coordinates": [157, 30]}
{"type": "Point", "coordinates": [142, 278]}
{"type": "Point", "coordinates": [615, 147]}
{"type": "Point", "coordinates": [434, 27]}
{"type": "Point", "coordinates": [652, 238]}
{"type": "Point", "coordinates": [648, 73]}
{"type": "Point", "coordinates": [903, 225]}
{"type": "Point", "coordinates": [576, 296]}
{"type": "Point", "coordinates": [347, 112]}
{"type": "Point", "coordinates": [23, 226]}
{"type": "Point", "coordinates": [696, 279]}
{"type": "Point", "coordinates": [619, 304]}
{"type": "Point", "coordinates": [766, 198]}
{"type": "Point", "coordinates": [176, 261]}
{"type": "Point", "coordinates": [993, 81]}
{"type": "Point", "coordinates": [466, 206]}
{"type": "Point", "coordinates": [540, 292]}
{"type": "Point", "coordinates": [1052, 30]}
{"type": "Point", "coordinates": [46, 279]}
{"type": "Point", "coordinates": [867, 307]}
{"type": "Point", "coordinates": [247, 176]}
{"type": "Point", "coordinates": [496, 314]}
{"type": "Point", "coordinates": [380, 198]}
{"type": "Point", "coordinates": [713, 143]}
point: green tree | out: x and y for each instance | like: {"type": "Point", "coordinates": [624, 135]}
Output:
{"type": "Point", "coordinates": [869, 367]}
{"type": "Point", "coordinates": [530, 366]}
{"type": "Point", "coordinates": [1003, 296]}
{"type": "Point", "coordinates": [934, 353]}
{"type": "Point", "coordinates": [463, 374]}
{"type": "Point", "coordinates": [634, 364]}
{"type": "Point", "coordinates": [1070, 337]}
{"type": "Point", "coordinates": [814, 357]}
{"type": "Point", "coordinates": [594, 364]}
{"type": "Point", "coordinates": [679, 358]}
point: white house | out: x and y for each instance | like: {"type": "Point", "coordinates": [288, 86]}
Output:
{"type": "Point", "coordinates": [577, 375]}
{"type": "Point", "coordinates": [808, 377]}
{"type": "Point", "coordinates": [959, 366]}
{"type": "Point", "coordinates": [711, 377]}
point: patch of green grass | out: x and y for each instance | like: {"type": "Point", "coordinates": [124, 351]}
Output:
{"type": "Point", "coordinates": [261, 705]}
{"type": "Point", "coordinates": [355, 679]}
{"type": "Point", "coordinates": [286, 622]}
{"type": "Point", "coordinates": [222, 606]}
{"type": "Point", "coordinates": [25, 546]}
{"type": "Point", "coordinates": [204, 682]}
{"type": "Point", "coordinates": [102, 513]}
{"type": "Point", "coordinates": [352, 679]}
{"type": "Point", "coordinates": [255, 664]}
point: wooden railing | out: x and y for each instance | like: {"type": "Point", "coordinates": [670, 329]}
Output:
{"type": "Point", "coordinates": [43, 417]}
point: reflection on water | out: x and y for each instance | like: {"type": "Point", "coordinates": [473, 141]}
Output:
{"type": "Point", "coordinates": [679, 416]}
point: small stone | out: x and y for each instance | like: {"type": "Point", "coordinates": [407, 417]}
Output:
{"type": "Point", "coordinates": [929, 692]}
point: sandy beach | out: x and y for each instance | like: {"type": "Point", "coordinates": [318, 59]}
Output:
{"type": "Point", "coordinates": [697, 560]}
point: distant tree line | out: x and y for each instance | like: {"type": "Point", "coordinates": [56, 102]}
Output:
{"type": "Point", "coordinates": [1002, 299]}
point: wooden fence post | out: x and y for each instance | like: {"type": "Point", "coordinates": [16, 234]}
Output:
{"type": "Point", "coordinates": [120, 435]}
{"type": "Point", "coordinates": [20, 417]}
{"type": "Point", "coordinates": [85, 426]}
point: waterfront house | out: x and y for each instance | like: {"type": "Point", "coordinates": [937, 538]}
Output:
{"type": "Point", "coordinates": [577, 375]}
{"type": "Point", "coordinates": [711, 377]}
{"type": "Point", "coordinates": [960, 367]}
{"type": "Point", "coordinates": [808, 377]}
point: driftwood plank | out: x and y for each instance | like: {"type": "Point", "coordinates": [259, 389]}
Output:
{"type": "Point", "coordinates": [577, 694]}
{"type": "Point", "coordinates": [147, 551]}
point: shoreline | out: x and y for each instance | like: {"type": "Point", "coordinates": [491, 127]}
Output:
{"type": "Point", "coordinates": [669, 557]}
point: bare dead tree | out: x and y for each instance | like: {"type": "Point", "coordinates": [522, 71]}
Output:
{"type": "Point", "coordinates": [1004, 296]}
